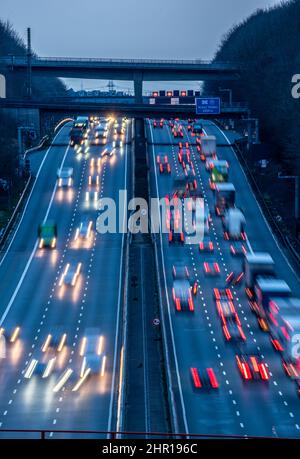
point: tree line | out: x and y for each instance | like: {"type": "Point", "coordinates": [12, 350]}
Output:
{"type": "Point", "coordinates": [267, 46]}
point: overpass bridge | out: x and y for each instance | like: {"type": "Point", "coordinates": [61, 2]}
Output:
{"type": "Point", "coordinates": [136, 70]}
{"type": "Point", "coordinates": [46, 111]}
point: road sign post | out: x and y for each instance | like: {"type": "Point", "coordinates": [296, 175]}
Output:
{"type": "Point", "coordinates": [208, 105]}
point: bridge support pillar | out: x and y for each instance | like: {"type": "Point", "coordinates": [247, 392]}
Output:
{"type": "Point", "coordinates": [138, 88]}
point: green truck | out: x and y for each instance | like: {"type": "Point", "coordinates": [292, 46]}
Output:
{"type": "Point", "coordinates": [47, 233]}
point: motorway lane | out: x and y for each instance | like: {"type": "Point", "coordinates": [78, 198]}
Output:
{"type": "Point", "coordinates": [34, 400]}
{"type": "Point", "coordinates": [252, 410]}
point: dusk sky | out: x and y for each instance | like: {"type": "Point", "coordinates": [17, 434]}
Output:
{"type": "Point", "coordinates": [171, 29]}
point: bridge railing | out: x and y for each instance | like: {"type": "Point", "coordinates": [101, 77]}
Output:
{"type": "Point", "coordinates": [44, 434]}
{"type": "Point", "coordinates": [15, 60]}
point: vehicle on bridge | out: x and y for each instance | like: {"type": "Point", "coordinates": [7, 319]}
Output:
{"type": "Point", "coordinates": [47, 233]}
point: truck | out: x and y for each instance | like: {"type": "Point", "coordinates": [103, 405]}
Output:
{"type": "Point", "coordinates": [180, 186]}
{"type": "Point", "coordinates": [65, 177]}
{"type": "Point", "coordinates": [224, 198]}
{"type": "Point", "coordinates": [76, 136]}
{"type": "Point", "coordinates": [234, 224]}
{"type": "Point", "coordinates": [285, 333]}
{"type": "Point", "coordinates": [208, 148]}
{"type": "Point", "coordinates": [257, 264]}
{"type": "Point", "coordinates": [218, 172]}
{"type": "Point", "coordinates": [266, 287]}
{"type": "Point", "coordinates": [47, 234]}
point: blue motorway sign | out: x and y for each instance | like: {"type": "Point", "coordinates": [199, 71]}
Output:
{"type": "Point", "coordinates": [208, 105]}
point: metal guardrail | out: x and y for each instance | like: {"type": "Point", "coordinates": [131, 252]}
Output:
{"type": "Point", "coordinates": [117, 434]}
{"type": "Point", "coordinates": [4, 234]}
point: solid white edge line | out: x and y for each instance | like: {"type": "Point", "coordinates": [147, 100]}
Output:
{"type": "Point", "coordinates": [26, 205]}
{"type": "Point", "coordinates": [265, 220]}
{"type": "Point", "coordinates": [119, 303]}
{"type": "Point", "coordinates": [167, 294]}
{"type": "Point", "coordinates": [33, 251]}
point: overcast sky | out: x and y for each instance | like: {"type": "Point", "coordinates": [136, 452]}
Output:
{"type": "Point", "coordinates": [171, 29]}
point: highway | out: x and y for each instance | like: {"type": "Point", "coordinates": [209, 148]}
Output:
{"type": "Point", "coordinates": [35, 298]}
{"type": "Point", "coordinates": [32, 298]}
{"type": "Point", "coordinates": [256, 408]}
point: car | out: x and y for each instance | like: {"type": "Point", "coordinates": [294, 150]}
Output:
{"type": "Point", "coordinates": [55, 341]}
{"type": "Point", "coordinates": [211, 268]}
{"type": "Point", "coordinates": [184, 156]}
{"type": "Point", "coordinates": [182, 295]}
{"type": "Point", "coordinates": [10, 335]}
{"type": "Point", "coordinates": [238, 249]}
{"type": "Point", "coordinates": [163, 164]}
{"type": "Point", "coordinates": [222, 293]}
{"type": "Point", "coordinates": [70, 274]}
{"type": "Point", "coordinates": [107, 152]}
{"type": "Point", "coordinates": [192, 184]}
{"type": "Point", "coordinates": [39, 366]}
{"type": "Point", "coordinates": [233, 330]}
{"type": "Point", "coordinates": [84, 230]}
{"type": "Point", "coordinates": [226, 310]}
{"type": "Point", "coordinates": [173, 215]}
{"type": "Point", "coordinates": [65, 177]}
{"type": "Point", "coordinates": [177, 131]}
{"type": "Point", "coordinates": [206, 245]}
{"type": "Point", "coordinates": [234, 279]}
{"type": "Point", "coordinates": [91, 351]}
{"type": "Point", "coordinates": [180, 271]}
{"type": "Point", "coordinates": [94, 181]}
{"type": "Point", "coordinates": [205, 379]}
{"type": "Point", "coordinates": [176, 237]}
{"type": "Point", "coordinates": [251, 365]}
{"type": "Point", "coordinates": [91, 196]}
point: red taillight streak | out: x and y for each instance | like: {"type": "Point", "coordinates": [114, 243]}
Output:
{"type": "Point", "coordinates": [212, 377]}
{"type": "Point", "coordinates": [178, 305]}
{"type": "Point", "coordinates": [217, 294]}
{"type": "Point", "coordinates": [229, 294]}
{"type": "Point", "coordinates": [226, 332]}
{"type": "Point", "coordinates": [239, 278]}
{"type": "Point", "coordinates": [277, 345]}
{"type": "Point", "coordinates": [263, 372]}
{"type": "Point", "coordinates": [196, 378]}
